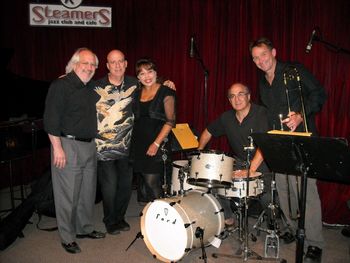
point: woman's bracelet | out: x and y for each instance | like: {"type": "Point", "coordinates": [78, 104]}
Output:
{"type": "Point", "coordinates": [156, 144]}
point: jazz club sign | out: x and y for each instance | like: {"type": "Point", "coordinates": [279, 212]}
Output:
{"type": "Point", "coordinates": [70, 14]}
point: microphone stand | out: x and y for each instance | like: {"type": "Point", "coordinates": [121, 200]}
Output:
{"type": "Point", "coordinates": [206, 75]}
{"type": "Point", "coordinates": [337, 49]}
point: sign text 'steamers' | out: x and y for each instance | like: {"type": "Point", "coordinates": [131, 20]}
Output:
{"type": "Point", "coordinates": [57, 15]}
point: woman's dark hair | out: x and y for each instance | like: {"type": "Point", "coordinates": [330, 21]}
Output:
{"type": "Point", "coordinates": [144, 63]}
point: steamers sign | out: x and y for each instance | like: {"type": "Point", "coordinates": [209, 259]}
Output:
{"type": "Point", "coordinates": [70, 14]}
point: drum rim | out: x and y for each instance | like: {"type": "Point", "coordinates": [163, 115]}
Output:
{"type": "Point", "coordinates": [251, 178]}
{"type": "Point", "coordinates": [194, 181]}
{"type": "Point", "coordinates": [179, 166]}
{"type": "Point", "coordinates": [212, 151]}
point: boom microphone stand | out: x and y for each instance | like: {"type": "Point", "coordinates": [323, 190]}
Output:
{"type": "Point", "coordinates": [195, 54]}
{"type": "Point", "coordinates": [330, 45]}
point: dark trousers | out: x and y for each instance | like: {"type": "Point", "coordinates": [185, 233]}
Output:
{"type": "Point", "coordinates": [115, 179]}
{"type": "Point", "coordinates": [149, 186]}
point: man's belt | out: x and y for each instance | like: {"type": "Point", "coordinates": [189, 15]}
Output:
{"type": "Point", "coordinates": [72, 137]}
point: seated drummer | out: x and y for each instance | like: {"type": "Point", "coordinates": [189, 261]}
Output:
{"type": "Point", "coordinates": [237, 124]}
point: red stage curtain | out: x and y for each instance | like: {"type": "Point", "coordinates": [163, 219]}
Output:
{"type": "Point", "coordinates": [222, 29]}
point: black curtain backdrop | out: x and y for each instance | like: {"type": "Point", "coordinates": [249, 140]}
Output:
{"type": "Point", "coordinates": [161, 29]}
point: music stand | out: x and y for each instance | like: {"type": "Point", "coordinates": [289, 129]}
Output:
{"type": "Point", "coordinates": [316, 157]}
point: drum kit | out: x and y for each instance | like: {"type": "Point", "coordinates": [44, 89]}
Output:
{"type": "Point", "coordinates": [191, 217]}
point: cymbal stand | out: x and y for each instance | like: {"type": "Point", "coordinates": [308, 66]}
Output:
{"type": "Point", "coordinates": [165, 185]}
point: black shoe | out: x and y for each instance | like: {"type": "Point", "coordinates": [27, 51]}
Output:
{"type": "Point", "coordinates": [112, 230]}
{"type": "Point", "coordinates": [71, 247]}
{"type": "Point", "coordinates": [346, 231]}
{"type": "Point", "coordinates": [122, 226]}
{"type": "Point", "coordinates": [287, 237]}
{"type": "Point", "coordinates": [313, 255]}
{"type": "Point", "coordinates": [93, 235]}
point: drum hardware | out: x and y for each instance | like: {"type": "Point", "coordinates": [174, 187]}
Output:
{"type": "Point", "coordinates": [273, 231]}
{"type": "Point", "coordinates": [199, 234]}
{"type": "Point", "coordinates": [165, 185]}
{"type": "Point", "coordinates": [180, 173]}
{"type": "Point", "coordinates": [181, 178]}
{"type": "Point", "coordinates": [245, 252]}
{"type": "Point", "coordinates": [138, 235]}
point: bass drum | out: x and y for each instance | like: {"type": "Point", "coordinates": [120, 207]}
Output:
{"type": "Point", "coordinates": [169, 225]}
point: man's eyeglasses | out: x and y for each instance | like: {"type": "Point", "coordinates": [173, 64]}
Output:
{"type": "Point", "coordinates": [239, 95]}
{"type": "Point", "coordinates": [87, 64]}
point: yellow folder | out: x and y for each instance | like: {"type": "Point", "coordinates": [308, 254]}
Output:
{"type": "Point", "coordinates": [185, 136]}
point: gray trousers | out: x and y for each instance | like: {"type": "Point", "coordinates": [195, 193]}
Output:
{"type": "Point", "coordinates": [313, 213]}
{"type": "Point", "coordinates": [74, 189]}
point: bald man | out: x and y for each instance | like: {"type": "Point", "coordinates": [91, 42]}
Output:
{"type": "Point", "coordinates": [115, 121]}
{"type": "Point", "coordinates": [237, 124]}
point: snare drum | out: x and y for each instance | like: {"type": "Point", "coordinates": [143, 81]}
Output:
{"type": "Point", "coordinates": [180, 172]}
{"type": "Point", "coordinates": [239, 187]}
{"type": "Point", "coordinates": [169, 225]}
{"type": "Point", "coordinates": [211, 169]}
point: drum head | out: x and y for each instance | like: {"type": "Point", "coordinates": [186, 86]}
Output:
{"type": "Point", "coordinates": [164, 232]}
{"type": "Point", "coordinates": [169, 225]}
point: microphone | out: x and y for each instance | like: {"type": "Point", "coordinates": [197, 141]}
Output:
{"type": "Point", "coordinates": [309, 44]}
{"type": "Point", "coordinates": [192, 47]}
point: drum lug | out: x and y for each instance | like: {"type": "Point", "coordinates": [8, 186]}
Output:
{"type": "Point", "coordinates": [188, 224]}
{"type": "Point", "coordinates": [220, 211]}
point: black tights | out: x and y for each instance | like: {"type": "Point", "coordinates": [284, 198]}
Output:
{"type": "Point", "coordinates": [149, 187]}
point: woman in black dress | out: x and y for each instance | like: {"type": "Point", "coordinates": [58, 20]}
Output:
{"type": "Point", "coordinates": [154, 110]}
